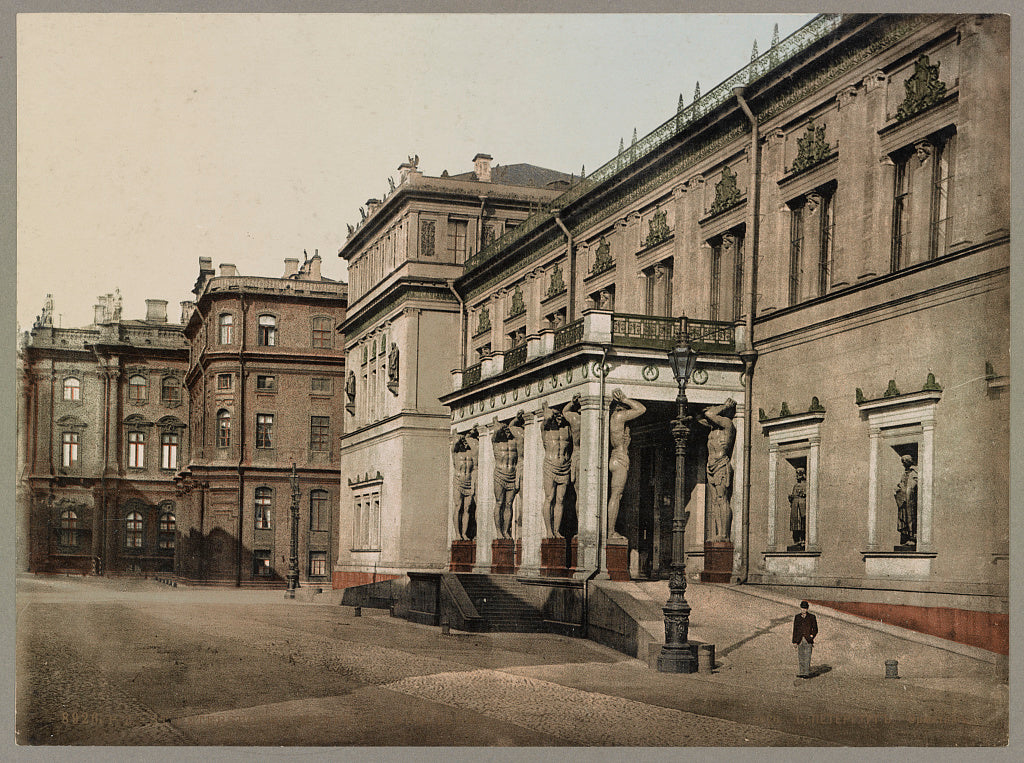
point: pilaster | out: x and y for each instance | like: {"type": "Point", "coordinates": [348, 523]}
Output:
{"type": "Point", "coordinates": [532, 493]}
{"type": "Point", "coordinates": [485, 529]}
{"type": "Point", "coordinates": [589, 504]}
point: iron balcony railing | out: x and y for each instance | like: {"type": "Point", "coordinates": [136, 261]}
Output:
{"type": "Point", "coordinates": [471, 375]}
{"type": "Point", "coordinates": [569, 335]}
{"type": "Point", "coordinates": [802, 38]}
{"type": "Point", "coordinates": [515, 357]}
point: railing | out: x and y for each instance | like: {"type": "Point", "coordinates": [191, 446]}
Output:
{"type": "Point", "coordinates": [515, 357]}
{"type": "Point", "coordinates": [644, 331]}
{"type": "Point", "coordinates": [471, 375]}
{"type": "Point", "coordinates": [569, 335]}
{"type": "Point", "coordinates": [809, 33]}
{"type": "Point", "coordinates": [263, 283]}
{"type": "Point", "coordinates": [712, 336]}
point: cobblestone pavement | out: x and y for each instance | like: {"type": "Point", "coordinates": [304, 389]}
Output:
{"type": "Point", "coordinates": [134, 662]}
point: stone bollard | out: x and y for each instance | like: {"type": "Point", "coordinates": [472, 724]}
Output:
{"type": "Point", "coordinates": [357, 611]}
{"type": "Point", "coordinates": [446, 629]}
{"type": "Point", "coordinates": [705, 657]}
{"type": "Point", "coordinates": [892, 669]}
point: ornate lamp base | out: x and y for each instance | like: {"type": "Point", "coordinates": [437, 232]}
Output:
{"type": "Point", "coordinates": [680, 658]}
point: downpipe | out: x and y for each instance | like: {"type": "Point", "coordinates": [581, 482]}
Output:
{"type": "Point", "coordinates": [748, 354]}
{"type": "Point", "coordinates": [571, 252]}
{"type": "Point", "coordinates": [602, 506]}
{"type": "Point", "coordinates": [462, 320]}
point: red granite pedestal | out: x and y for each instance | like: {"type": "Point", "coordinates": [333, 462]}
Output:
{"type": "Point", "coordinates": [554, 558]}
{"type": "Point", "coordinates": [717, 562]}
{"type": "Point", "coordinates": [617, 557]}
{"type": "Point", "coordinates": [503, 554]}
{"type": "Point", "coordinates": [519, 554]}
{"type": "Point", "coordinates": [573, 553]}
{"type": "Point", "coordinates": [463, 556]}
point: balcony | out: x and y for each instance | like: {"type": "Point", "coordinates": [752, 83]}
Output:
{"type": "Point", "coordinates": [621, 330]}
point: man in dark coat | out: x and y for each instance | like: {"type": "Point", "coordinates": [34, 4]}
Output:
{"type": "Point", "coordinates": [805, 628]}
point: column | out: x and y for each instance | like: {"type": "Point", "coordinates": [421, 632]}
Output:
{"type": "Point", "coordinates": [873, 438]}
{"type": "Point", "coordinates": [589, 506]}
{"type": "Point", "coordinates": [738, 481]}
{"type": "Point", "coordinates": [532, 494]}
{"type": "Point", "coordinates": [812, 496]}
{"type": "Point", "coordinates": [773, 464]}
{"type": "Point", "coordinates": [485, 530]}
{"type": "Point", "coordinates": [924, 506]}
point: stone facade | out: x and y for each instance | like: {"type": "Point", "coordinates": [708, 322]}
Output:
{"type": "Point", "coordinates": [266, 382]}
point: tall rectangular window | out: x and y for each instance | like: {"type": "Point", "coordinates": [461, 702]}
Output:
{"type": "Point", "coordinates": [737, 285]}
{"type": "Point", "coordinates": [169, 450]}
{"type": "Point", "coordinates": [457, 230]}
{"type": "Point", "coordinates": [72, 389]}
{"type": "Point", "coordinates": [264, 430]}
{"type": "Point", "coordinates": [796, 245]}
{"type": "Point", "coordinates": [903, 179]}
{"type": "Point", "coordinates": [227, 328]}
{"type": "Point", "coordinates": [137, 388]}
{"type": "Point", "coordinates": [69, 448]}
{"type": "Point", "coordinates": [320, 433]}
{"type": "Point", "coordinates": [317, 564]}
{"type": "Point", "coordinates": [170, 391]}
{"type": "Point", "coordinates": [136, 450]}
{"type": "Point", "coordinates": [940, 210]}
{"type": "Point", "coordinates": [223, 429]}
{"type": "Point", "coordinates": [715, 307]}
{"type": "Point", "coordinates": [322, 332]}
{"type": "Point", "coordinates": [133, 530]}
{"type": "Point", "coordinates": [263, 508]}
{"type": "Point", "coordinates": [826, 241]}
{"type": "Point", "coordinates": [266, 334]}
{"type": "Point", "coordinates": [319, 517]}
{"type": "Point", "coordinates": [69, 528]}
{"type": "Point", "coordinates": [366, 521]}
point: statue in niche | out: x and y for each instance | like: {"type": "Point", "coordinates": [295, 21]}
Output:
{"type": "Point", "coordinates": [572, 415]}
{"type": "Point", "coordinates": [798, 510]}
{"type": "Point", "coordinates": [464, 459]}
{"type": "Point", "coordinates": [507, 473]}
{"type": "Point", "coordinates": [350, 387]}
{"type": "Point", "coordinates": [622, 410]}
{"type": "Point", "coordinates": [906, 503]}
{"type": "Point", "coordinates": [393, 369]}
{"type": "Point", "coordinates": [721, 439]}
{"type": "Point", "coordinates": [557, 438]}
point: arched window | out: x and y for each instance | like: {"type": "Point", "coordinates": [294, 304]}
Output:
{"type": "Point", "coordinates": [168, 524]}
{"type": "Point", "coordinates": [322, 332]}
{"type": "Point", "coordinates": [69, 529]}
{"type": "Point", "coordinates": [227, 328]}
{"type": "Point", "coordinates": [137, 389]}
{"type": "Point", "coordinates": [133, 530]}
{"type": "Point", "coordinates": [72, 389]}
{"type": "Point", "coordinates": [223, 429]}
{"type": "Point", "coordinates": [266, 334]}
{"type": "Point", "coordinates": [319, 519]}
{"type": "Point", "coordinates": [264, 502]}
{"type": "Point", "coordinates": [170, 391]}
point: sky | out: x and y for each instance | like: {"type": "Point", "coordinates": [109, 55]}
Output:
{"type": "Point", "coordinates": [147, 141]}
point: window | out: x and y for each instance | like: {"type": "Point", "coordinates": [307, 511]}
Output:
{"type": "Point", "coordinates": [796, 245]}
{"type": "Point", "coordinates": [366, 520]}
{"type": "Point", "coordinates": [264, 501]}
{"type": "Point", "coordinates": [827, 218]}
{"type": "Point", "coordinates": [737, 286]}
{"type": "Point", "coordinates": [457, 239]}
{"type": "Point", "coordinates": [921, 229]}
{"type": "Point", "coordinates": [261, 564]}
{"type": "Point", "coordinates": [137, 389]}
{"type": "Point", "coordinates": [133, 530]}
{"type": "Point", "coordinates": [170, 391]}
{"type": "Point", "coordinates": [68, 528]}
{"type": "Point", "coordinates": [320, 384]}
{"type": "Point", "coordinates": [319, 519]}
{"type": "Point", "coordinates": [901, 209]}
{"type": "Point", "coordinates": [266, 335]}
{"type": "Point", "coordinates": [427, 235]}
{"type": "Point", "coordinates": [72, 389]}
{"type": "Point", "coordinates": [69, 448]}
{"type": "Point", "coordinates": [266, 383]}
{"type": "Point", "coordinates": [224, 381]}
{"type": "Point", "coordinates": [227, 328]}
{"type": "Point", "coordinates": [223, 429]}
{"type": "Point", "coordinates": [658, 289]}
{"type": "Point", "coordinates": [168, 524]}
{"type": "Point", "coordinates": [322, 331]}
{"type": "Point", "coordinates": [716, 281]}
{"type": "Point", "coordinates": [264, 430]}
{"type": "Point", "coordinates": [169, 450]}
{"type": "Point", "coordinates": [136, 450]}
{"type": "Point", "coordinates": [317, 564]}
{"type": "Point", "coordinates": [940, 210]}
{"type": "Point", "coordinates": [320, 433]}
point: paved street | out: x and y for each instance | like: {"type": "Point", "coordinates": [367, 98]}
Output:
{"type": "Point", "coordinates": [136, 662]}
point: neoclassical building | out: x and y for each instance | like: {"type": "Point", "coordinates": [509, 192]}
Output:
{"type": "Point", "coordinates": [265, 380]}
{"type": "Point", "coordinates": [829, 227]}
{"type": "Point", "coordinates": [401, 338]}
{"type": "Point", "coordinates": [102, 431]}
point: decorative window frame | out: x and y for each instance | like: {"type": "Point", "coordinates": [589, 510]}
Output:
{"type": "Point", "coordinates": [366, 489]}
{"type": "Point", "coordinates": [899, 417]}
{"type": "Point", "coordinates": [277, 329]}
{"type": "Point", "coordinates": [177, 380]}
{"type": "Point", "coordinates": [792, 434]}
{"type": "Point", "coordinates": [78, 377]}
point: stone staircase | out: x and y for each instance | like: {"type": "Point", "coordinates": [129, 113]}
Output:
{"type": "Point", "coordinates": [503, 603]}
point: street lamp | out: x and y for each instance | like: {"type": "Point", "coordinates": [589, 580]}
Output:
{"type": "Point", "coordinates": [293, 562]}
{"type": "Point", "coordinates": [678, 654]}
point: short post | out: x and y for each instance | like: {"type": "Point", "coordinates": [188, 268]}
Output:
{"type": "Point", "coordinates": [892, 669]}
{"type": "Point", "coordinates": [357, 611]}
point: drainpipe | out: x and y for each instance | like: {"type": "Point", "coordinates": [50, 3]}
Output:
{"type": "Point", "coordinates": [571, 316]}
{"type": "Point", "coordinates": [480, 226]}
{"type": "Point", "coordinates": [602, 519]}
{"type": "Point", "coordinates": [463, 318]}
{"type": "Point", "coordinates": [241, 445]}
{"type": "Point", "coordinates": [748, 354]}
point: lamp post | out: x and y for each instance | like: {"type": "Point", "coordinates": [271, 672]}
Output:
{"type": "Point", "coordinates": [678, 654]}
{"type": "Point", "coordinates": [293, 562]}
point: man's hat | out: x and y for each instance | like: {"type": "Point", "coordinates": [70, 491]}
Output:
{"type": "Point", "coordinates": [804, 605]}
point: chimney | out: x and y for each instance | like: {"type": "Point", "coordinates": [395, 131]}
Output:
{"type": "Point", "coordinates": [156, 311]}
{"type": "Point", "coordinates": [205, 263]}
{"type": "Point", "coordinates": [482, 167]}
{"type": "Point", "coordinates": [227, 269]}
{"type": "Point", "coordinates": [314, 267]}
{"type": "Point", "coordinates": [99, 315]}
{"type": "Point", "coordinates": [186, 311]}
{"type": "Point", "coordinates": [291, 267]}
